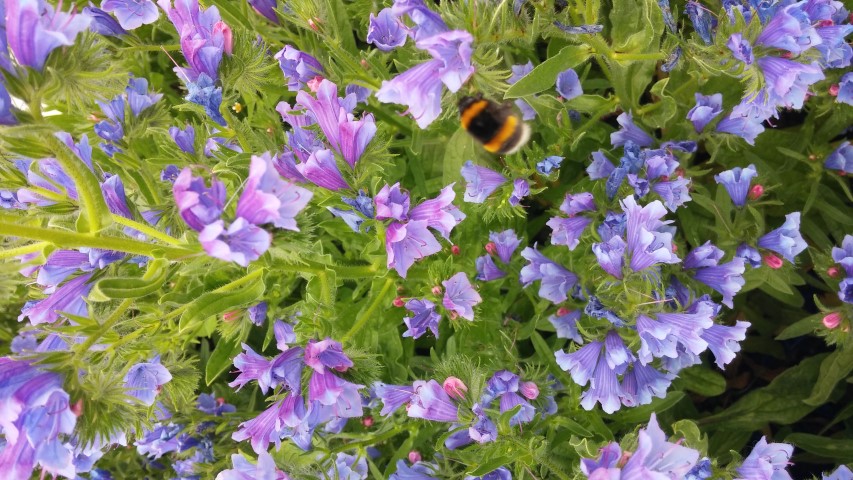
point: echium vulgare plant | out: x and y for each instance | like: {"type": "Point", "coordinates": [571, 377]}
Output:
{"type": "Point", "coordinates": [255, 239]}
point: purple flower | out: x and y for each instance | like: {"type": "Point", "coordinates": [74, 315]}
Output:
{"type": "Point", "coordinates": [423, 317]}
{"type": "Point", "coordinates": [132, 14]}
{"type": "Point", "coordinates": [520, 190]}
{"type": "Point", "coordinates": [459, 296]}
{"type": "Point", "coordinates": [702, 19]}
{"type": "Point", "coordinates": [548, 165]}
{"type": "Point", "coordinates": [749, 255]}
{"type": "Point", "coordinates": [427, 22]}
{"type": "Point", "coordinates": [51, 177]}
{"type": "Point", "coordinates": [267, 198]}
{"type": "Point", "coordinates": [419, 88]}
{"type": "Point", "coordinates": [198, 205]}
{"type": "Point", "coordinates": [336, 396]}
{"type": "Point", "coordinates": [674, 193]}
{"type": "Point", "coordinates": [642, 383]}
{"type": "Point", "coordinates": [604, 389]}
{"type": "Point", "coordinates": [205, 93]}
{"type": "Point", "coordinates": [59, 265]}
{"type": "Point", "coordinates": [258, 313]}
{"type": "Point", "coordinates": [70, 299]}
{"type": "Point", "coordinates": [737, 182]}
{"type": "Point", "coordinates": [242, 243]}
{"type": "Point", "coordinates": [629, 132]}
{"type": "Point", "coordinates": [392, 396]}
{"type": "Point", "coordinates": [34, 29]}
{"type": "Point", "coordinates": [252, 366]}
{"type": "Point", "coordinates": [265, 469]}
{"type": "Point", "coordinates": [211, 405]}
{"type": "Point", "coordinates": [392, 203]}
{"type": "Point", "coordinates": [724, 341]}
{"type": "Point", "coordinates": [557, 282]}
{"type": "Point", "coordinates": [6, 115]}
{"type": "Point", "coordinates": [407, 242]}
{"type": "Point", "coordinates": [789, 29]}
{"type": "Point", "coordinates": [566, 325]}
{"type": "Point", "coordinates": [518, 72]}
{"type": "Point", "coordinates": [298, 67]}
{"type": "Point", "coordinates": [844, 255]}
{"type": "Point", "coordinates": [418, 471]}
{"type": "Point", "coordinates": [840, 473]}
{"type": "Point", "coordinates": [706, 109]}
{"type": "Point", "coordinates": [184, 139]}
{"type": "Point", "coordinates": [788, 81]}
{"type": "Point", "coordinates": [322, 169]}
{"type": "Point", "coordinates": [656, 457]}
{"type": "Point", "coordinates": [648, 241]}
{"type": "Point", "coordinates": [766, 461]}
{"type": "Point", "coordinates": [103, 23]}
{"type": "Point", "coordinates": [265, 428]}
{"type": "Point", "coordinates": [686, 328]}
{"type": "Point", "coordinates": [785, 240]}
{"type": "Point", "coordinates": [430, 402]}
{"type": "Point", "coordinates": [841, 159]}
{"type": "Point", "coordinates": [742, 125]}
{"type": "Point", "coordinates": [577, 203]}
{"type": "Point", "coordinates": [726, 278]}
{"type": "Point", "coordinates": [204, 37]}
{"type": "Point", "coordinates": [144, 380]}
{"type": "Point", "coordinates": [579, 29]}
{"type": "Point", "coordinates": [506, 243]}
{"type": "Point", "coordinates": [600, 167]}
{"type": "Point", "coordinates": [569, 85]}
{"type": "Point", "coordinates": [326, 354]}
{"type": "Point", "coordinates": [439, 212]}
{"type": "Point", "coordinates": [348, 467]}
{"type": "Point", "coordinates": [834, 49]}
{"type": "Point", "coordinates": [170, 174]}
{"type": "Point", "coordinates": [482, 182]}
{"type": "Point", "coordinates": [845, 89]}
{"type": "Point", "coordinates": [740, 48]}
{"type": "Point", "coordinates": [266, 8]}
{"type": "Point", "coordinates": [487, 270]}
{"type": "Point", "coordinates": [567, 231]}
{"type": "Point", "coordinates": [386, 31]}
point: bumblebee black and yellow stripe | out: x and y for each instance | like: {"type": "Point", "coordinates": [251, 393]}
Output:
{"type": "Point", "coordinates": [471, 111]}
{"type": "Point", "coordinates": [494, 125]}
{"type": "Point", "coordinates": [507, 130]}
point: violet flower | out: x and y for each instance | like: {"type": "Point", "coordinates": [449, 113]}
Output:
{"type": "Point", "coordinates": [724, 341]}
{"type": "Point", "coordinates": [487, 270]}
{"type": "Point", "coordinates": [788, 81]}
{"type": "Point", "coordinates": [578, 203]}
{"type": "Point", "coordinates": [740, 48]}
{"type": "Point", "coordinates": [785, 240]}
{"type": "Point", "coordinates": [386, 31]}
{"type": "Point", "coordinates": [629, 132]}
{"type": "Point", "coordinates": [242, 242]}
{"type": "Point", "coordinates": [566, 325]}
{"type": "Point", "coordinates": [702, 19]}
{"type": "Point", "coordinates": [322, 169]}
{"type": "Point", "coordinates": [298, 67]}
{"type": "Point", "coordinates": [266, 8]}
{"type": "Point", "coordinates": [674, 193]}
{"type": "Point", "coordinates": [460, 297]}
{"type": "Point", "coordinates": [737, 182]}
{"type": "Point", "coordinates": [392, 396]}
{"type": "Point", "coordinates": [198, 205]}
{"type": "Point", "coordinates": [841, 159]}
{"type": "Point", "coordinates": [766, 460]}
{"type": "Point", "coordinates": [144, 380]}
{"type": "Point", "coordinates": [6, 115]}
{"type": "Point", "coordinates": [348, 467]}
{"type": "Point", "coordinates": [430, 402]}
{"type": "Point", "coordinates": [569, 85]}
{"type": "Point", "coordinates": [132, 14]}
{"type": "Point", "coordinates": [845, 88]}
{"type": "Point", "coordinates": [427, 22]}
{"type": "Point", "coordinates": [34, 29]}
{"type": "Point", "coordinates": [706, 109]}
{"type": "Point", "coordinates": [265, 468]}
{"type": "Point", "coordinates": [184, 139]}
{"type": "Point", "coordinates": [506, 243]}
{"type": "Point", "coordinates": [70, 299]}
{"type": "Point", "coordinates": [648, 241]}
{"type": "Point", "coordinates": [424, 317]}
{"type": "Point", "coordinates": [557, 282]}
{"type": "Point", "coordinates": [439, 212]}
{"type": "Point", "coordinates": [567, 231]}
{"type": "Point", "coordinates": [789, 29]}
{"type": "Point", "coordinates": [549, 164]}
{"type": "Point", "coordinates": [267, 198]}
{"type": "Point", "coordinates": [518, 72]}
{"type": "Point", "coordinates": [103, 23]}
{"type": "Point", "coordinates": [482, 182]}
{"type": "Point", "coordinates": [407, 242]}
{"type": "Point", "coordinates": [520, 190]}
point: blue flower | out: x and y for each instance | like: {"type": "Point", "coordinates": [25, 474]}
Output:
{"type": "Point", "coordinates": [144, 380]}
{"type": "Point", "coordinates": [103, 23]}
{"type": "Point", "coordinates": [482, 182]}
{"type": "Point", "coordinates": [785, 240]}
{"type": "Point", "coordinates": [568, 84]}
{"type": "Point", "coordinates": [600, 167]}
{"type": "Point", "coordinates": [549, 165]}
{"type": "Point", "coordinates": [518, 72]}
{"type": "Point", "coordinates": [424, 317]}
{"type": "Point", "coordinates": [703, 21]}
{"type": "Point", "coordinates": [520, 190]}
{"type": "Point", "coordinates": [487, 270]}
{"type": "Point", "coordinates": [184, 139]}
{"type": "Point", "coordinates": [579, 29]}
{"type": "Point", "coordinates": [706, 109]}
{"type": "Point", "coordinates": [418, 471]}
{"type": "Point", "coordinates": [736, 181]}
{"type": "Point", "coordinates": [386, 31]}
{"type": "Point", "coordinates": [845, 89]}
{"type": "Point", "coordinates": [132, 14]}
{"type": "Point", "coordinates": [629, 132]}
{"type": "Point", "coordinates": [841, 159]}
{"type": "Point", "coordinates": [566, 325]}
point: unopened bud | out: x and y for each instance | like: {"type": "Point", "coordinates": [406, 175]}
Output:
{"type": "Point", "coordinates": [491, 248]}
{"type": "Point", "coordinates": [833, 89]}
{"type": "Point", "coordinates": [832, 320]}
{"type": "Point", "coordinates": [77, 407]}
{"type": "Point", "coordinates": [313, 24]}
{"type": "Point", "coordinates": [454, 249]}
{"type": "Point", "coordinates": [230, 316]}
{"type": "Point", "coordinates": [787, 55]}
{"type": "Point", "coordinates": [773, 261]}
{"type": "Point", "coordinates": [415, 456]}
{"type": "Point", "coordinates": [833, 272]}
{"type": "Point", "coordinates": [812, 157]}
{"type": "Point", "coordinates": [563, 311]}
{"type": "Point", "coordinates": [367, 421]}
{"type": "Point", "coordinates": [529, 390]}
{"type": "Point", "coordinates": [674, 248]}
{"type": "Point", "coordinates": [314, 83]}
{"type": "Point", "coordinates": [756, 191]}
{"type": "Point", "coordinates": [436, 290]}
{"type": "Point", "coordinates": [454, 387]}
{"type": "Point", "coordinates": [398, 302]}
{"type": "Point", "coordinates": [222, 27]}
{"type": "Point", "coordinates": [364, 63]}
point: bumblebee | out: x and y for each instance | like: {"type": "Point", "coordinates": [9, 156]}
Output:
{"type": "Point", "coordinates": [496, 126]}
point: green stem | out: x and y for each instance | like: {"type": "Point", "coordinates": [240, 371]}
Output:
{"type": "Point", "coordinates": [88, 188]}
{"type": "Point", "coordinates": [23, 250]}
{"type": "Point", "coordinates": [368, 314]}
{"type": "Point", "coordinates": [35, 106]}
{"type": "Point", "coordinates": [152, 48]}
{"type": "Point", "coordinates": [66, 239]}
{"type": "Point", "coordinates": [228, 286]}
{"type": "Point", "coordinates": [345, 272]}
{"type": "Point", "coordinates": [638, 56]}
{"type": "Point", "coordinates": [142, 228]}
{"type": "Point", "coordinates": [372, 440]}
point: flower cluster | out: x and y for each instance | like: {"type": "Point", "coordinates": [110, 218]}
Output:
{"type": "Point", "coordinates": [113, 128]}
{"type": "Point", "coordinates": [459, 300]}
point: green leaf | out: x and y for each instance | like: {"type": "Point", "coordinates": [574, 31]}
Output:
{"type": "Point", "coordinates": [643, 413]}
{"type": "Point", "coordinates": [459, 150]}
{"type": "Point", "coordinates": [838, 449]}
{"type": "Point", "coordinates": [703, 381]}
{"type": "Point", "coordinates": [221, 358]}
{"type": "Point", "coordinates": [217, 301]}
{"type": "Point", "coordinates": [544, 75]}
{"type": "Point", "coordinates": [834, 368]}
{"type": "Point", "coordinates": [801, 327]}
{"type": "Point", "coordinates": [111, 288]}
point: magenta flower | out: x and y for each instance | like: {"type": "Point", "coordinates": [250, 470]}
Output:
{"type": "Point", "coordinates": [132, 14]}
{"type": "Point", "coordinates": [459, 296]}
{"type": "Point", "coordinates": [198, 205]}
{"type": "Point", "coordinates": [144, 380]}
{"type": "Point", "coordinates": [482, 182]}
{"type": "Point", "coordinates": [267, 198]}
{"type": "Point", "coordinates": [424, 317]}
{"type": "Point", "coordinates": [204, 37]}
{"type": "Point", "coordinates": [338, 397]}
{"type": "Point", "coordinates": [242, 242]}
{"type": "Point", "coordinates": [439, 212]}
{"type": "Point", "coordinates": [326, 354]}
{"type": "Point", "coordinates": [298, 67]}
{"type": "Point", "coordinates": [430, 402]}
{"type": "Point", "coordinates": [34, 29]}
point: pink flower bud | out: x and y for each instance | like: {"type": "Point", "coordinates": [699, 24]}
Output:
{"type": "Point", "coordinates": [756, 191]}
{"type": "Point", "coordinates": [313, 24]}
{"type": "Point", "coordinates": [453, 315]}
{"type": "Point", "coordinates": [529, 390]}
{"type": "Point", "coordinates": [773, 261]}
{"type": "Point", "coordinates": [491, 248]}
{"type": "Point", "coordinates": [367, 421]}
{"type": "Point", "coordinates": [832, 320]}
{"type": "Point", "coordinates": [314, 83]}
{"type": "Point", "coordinates": [562, 311]}
{"type": "Point", "coordinates": [398, 302]}
{"type": "Point", "coordinates": [454, 249]}
{"type": "Point", "coordinates": [833, 272]}
{"type": "Point", "coordinates": [415, 456]}
{"type": "Point", "coordinates": [787, 55]}
{"type": "Point", "coordinates": [833, 89]}
{"type": "Point", "coordinates": [674, 248]}
{"type": "Point", "coordinates": [77, 407]}
{"type": "Point", "coordinates": [230, 316]}
{"type": "Point", "coordinates": [364, 63]}
{"type": "Point", "coordinates": [455, 387]}
{"type": "Point", "coordinates": [436, 290]}
{"type": "Point", "coordinates": [222, 28]}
